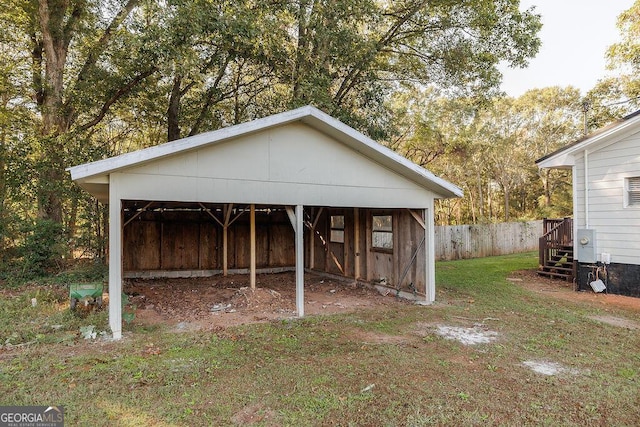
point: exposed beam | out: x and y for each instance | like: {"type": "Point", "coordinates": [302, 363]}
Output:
{"type": "Point", "coordinates": [418, 218]}
{"type": "Point", "coordinates": [208, 211]}
{"type": "Point", "coordinates": [227, 213]}
{"type": "Point", "coordinates": [317, 218]}
{"type": "Point", "coordinates": [292, 216]}
{"type": "Point", "coordinates": [235, 217]}
{"type": "Point", "coordinates": [137, 214]}
{"type": "Point", "coordinates": [335, 260]}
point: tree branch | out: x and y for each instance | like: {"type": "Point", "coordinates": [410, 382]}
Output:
{"type": "Point", "coordinates": [102, 43]}
{"type": "Point", "coordinates": [351, 79]}
{"type": "Point", "coordinates": [116, 96]}
{"type": "Point", "coordinates": [209, 98]}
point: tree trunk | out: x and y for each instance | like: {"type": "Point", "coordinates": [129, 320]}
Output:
{"type": "Point", "coordinates": [304, 12]}
{"type": "Point", "coordinates": [55, 121]}
{"type": "Point", "coordinates": [480, 197]}
{"type": "Point", "coordinates": [546, 174]}
{"type": "Point", "coordinates": [506, 203]}
{"type": "Point", "coordinates": [173, 112]}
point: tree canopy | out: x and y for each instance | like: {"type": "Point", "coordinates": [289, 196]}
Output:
{"type": "Point", "coordinates": [82, 80]}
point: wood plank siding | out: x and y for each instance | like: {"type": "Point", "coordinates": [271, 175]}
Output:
{"type": "Point", "coordinates": [186, 240]}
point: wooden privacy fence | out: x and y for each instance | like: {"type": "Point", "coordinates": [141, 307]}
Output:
{"type": "Point", "coordinates": [482, 240]}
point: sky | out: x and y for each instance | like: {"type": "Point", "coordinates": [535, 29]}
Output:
{"type": "Point", "coordinates": [575, 36]}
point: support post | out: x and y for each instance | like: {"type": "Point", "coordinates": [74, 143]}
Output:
{"type": "Point", "coordinates": [312, 238]}
{"type": "Point", "coordinates": [115, 258]}
{"type": "Point", "coordinates": [299, 231]}
{"type": "Point", "coordinates": [252, 222]}
{"type": "Point", "coordinates": [430, 263]}
{"type": "Point", "coordinates": [356, 242]}
{"type": "Point", "coordinates": [225, 250]}
{"type": "Point", "coordinates": [228, 208]}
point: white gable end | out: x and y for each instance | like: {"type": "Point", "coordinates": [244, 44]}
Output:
{"type": "Point", "coordinates": [289, 164]}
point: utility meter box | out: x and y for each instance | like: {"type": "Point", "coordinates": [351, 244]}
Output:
{"type": "Point", "coordinates": [586, 243]}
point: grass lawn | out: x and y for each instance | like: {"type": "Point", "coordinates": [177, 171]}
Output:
{"type": "Point", "coordinates": [369, 368]}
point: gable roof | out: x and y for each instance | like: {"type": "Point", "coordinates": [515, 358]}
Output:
{"type": "Point", "coordinates": [94, 176]}
{"type": "Point", "coordinates": [564, 157]}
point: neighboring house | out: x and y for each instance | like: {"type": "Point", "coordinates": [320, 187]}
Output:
{"type": "Point", "coordinates": [606, 204]}
{"type": "Point", "coordinates": [297, 190]}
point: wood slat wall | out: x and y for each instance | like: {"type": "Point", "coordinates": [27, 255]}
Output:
{"type": "Point", "coordinates": [191, 240]}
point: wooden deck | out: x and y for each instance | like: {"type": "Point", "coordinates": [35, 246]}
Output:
{"type": "Point", "coordinates": [556, 249]}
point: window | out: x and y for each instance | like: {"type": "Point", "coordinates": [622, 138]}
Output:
{"type": "Point", "coordinates": [337, 229]}
{"type": "Point", "coordinates": [632, 185]}
{"type": "Point", "coordinates": [382, 227]}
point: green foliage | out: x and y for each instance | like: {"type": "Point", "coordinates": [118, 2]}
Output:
{"type": "Point", "coordinates": [42, 249]}
{"type": "Point", "coordinates": [489, 150]}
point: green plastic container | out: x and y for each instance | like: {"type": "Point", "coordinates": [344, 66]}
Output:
{"type": "Point", "coordinates": [87, 293]}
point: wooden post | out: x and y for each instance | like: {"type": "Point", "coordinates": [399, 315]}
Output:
{"type": "Point", "coordinates": [226, 212]}
{"type": "Point", "coordinates": [252, 222]}
{"type": "Point", "coordinates": [312, 243]}
{"type": "Point", "coordinates": [356, 242]}
{"type": "Point", "coordinates": [225, 250]}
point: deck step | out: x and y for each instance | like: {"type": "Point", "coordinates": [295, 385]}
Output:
{"type": "Point", "coordinates": [564, 267]}
{"type": "Point", "coordinates": [556, 275]}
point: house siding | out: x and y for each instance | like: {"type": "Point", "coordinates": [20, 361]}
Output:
{"type": "Point", "coordinates": [617, 227]}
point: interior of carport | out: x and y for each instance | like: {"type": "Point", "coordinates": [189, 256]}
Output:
{"type": "Point", "coordinates": [384, 247]}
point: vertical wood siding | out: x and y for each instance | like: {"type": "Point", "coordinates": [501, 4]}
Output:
{"type": "Point", "coordinates": [477, 241]}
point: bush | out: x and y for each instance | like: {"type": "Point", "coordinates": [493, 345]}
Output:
{"type": "Point", "coordinates": [42, 249]}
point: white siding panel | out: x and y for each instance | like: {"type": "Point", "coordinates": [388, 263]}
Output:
{"type": "Point", "coordinates": [578, 188]}
{"type": "Point", "coordinates": [299, 154]}
{"type": "Point", "coordinates": [243, 158]}
{"type": "Point", "coordinates": [213, 190]}
{"type": "Point", "coordinates": [292, 165]}
{"type": "Point", "coordinates": [618, 228]}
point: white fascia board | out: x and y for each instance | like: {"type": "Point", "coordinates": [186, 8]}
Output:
{"type": "Point", "coordinates": [561, 161]}
{"type": "Point", "coordinates": [308, 115]}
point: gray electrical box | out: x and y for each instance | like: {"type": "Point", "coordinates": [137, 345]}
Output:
{"type": "Point", "coordinates": [586, 243]}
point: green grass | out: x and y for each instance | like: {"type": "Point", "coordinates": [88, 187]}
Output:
{"type": "Point", "coordinates": [321, 371]}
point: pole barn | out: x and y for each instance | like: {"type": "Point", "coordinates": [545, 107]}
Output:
{"type": "Point", "coordinates": [297, 191]}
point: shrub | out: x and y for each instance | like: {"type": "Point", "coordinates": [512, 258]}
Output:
{"type": "Point", "coordinates": [43, 248]}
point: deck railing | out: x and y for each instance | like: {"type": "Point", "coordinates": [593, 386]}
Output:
{"type": "Point", "coordinates": [557, 236]}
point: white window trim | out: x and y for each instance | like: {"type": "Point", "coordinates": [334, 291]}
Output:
{"type": "Point", "coordinates": [627, 190]}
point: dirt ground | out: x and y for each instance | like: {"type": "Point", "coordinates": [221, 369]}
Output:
{"type": "Point", "coordinates": [564, 290]}
{"type": "Point", "coordinates": [216, 302]}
